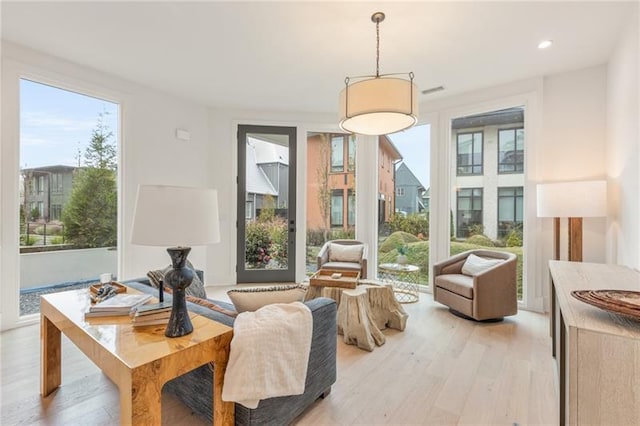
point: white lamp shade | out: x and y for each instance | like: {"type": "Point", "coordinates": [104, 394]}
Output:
{"type": "Point", "coordinates": [572, 199]}
{"type": "Point", "coordinates": [378, 106]}
{"type": "Point", "coordinates": [175, 216]}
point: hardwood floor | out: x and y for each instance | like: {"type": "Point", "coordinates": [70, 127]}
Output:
{"type": "Point", "coordinates": [441, 370]}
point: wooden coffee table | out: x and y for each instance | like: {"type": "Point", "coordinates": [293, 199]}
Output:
{"type": "Point", "coordinates": [139, 361]}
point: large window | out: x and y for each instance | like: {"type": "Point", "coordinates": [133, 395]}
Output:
{"type": "Point", "coordinates": [68, 190]}
{"type": "Point", "coordinates": [337, 208]}
{"type": "Point", "coordinates": [511, 150]}
{"type": "Point", "coordinates": [337, 153]}
{"type": "Point", "coordinates": [469, 148]}
{"type": "Point", "coordinates": [469, 210]}
{"type": "Point", "coordinates": [509, 210]}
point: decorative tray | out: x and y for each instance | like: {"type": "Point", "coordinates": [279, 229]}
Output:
{"type": "Point", "coordinates": [119, 288]}
{"type": "Point", "coordinates": [617, 301]}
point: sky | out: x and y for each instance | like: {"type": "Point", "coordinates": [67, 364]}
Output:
{"type": "Point", "coordinates": [55, 123]}
{"type": "Point", "coordinates": [415, 146]}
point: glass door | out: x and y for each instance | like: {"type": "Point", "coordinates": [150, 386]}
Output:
{"type": "Point", "coordinates": [266, 204]}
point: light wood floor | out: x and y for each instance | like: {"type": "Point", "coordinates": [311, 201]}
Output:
{"type": "Point", "coordinates": [440, 370]}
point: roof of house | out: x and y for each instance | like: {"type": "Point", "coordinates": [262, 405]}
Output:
{"type": "Point", "coordinates": [257, 181]}
{"type": "Point", "coordinates": [50, 169]}
{"type": "Point", "coordinates": [411, 178]}
{"type": "Point", "coordinates": [268, 152]}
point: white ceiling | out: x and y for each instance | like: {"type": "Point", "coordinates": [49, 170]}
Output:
{"type": "Point", "coordinates": [295, 56]}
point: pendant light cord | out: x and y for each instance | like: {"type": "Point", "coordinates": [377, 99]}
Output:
{"type": "Point", "coordinates": [377, 48]}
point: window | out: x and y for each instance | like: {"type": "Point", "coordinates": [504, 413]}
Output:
{"type": "Point", "coordinates": [248, 210]}
{"type": "Point", "coordinates": [509, 210]}
{"type": "Point", "coordinates": [40, 209]}
{"type": "Point", "coordinates": [351, 208]}
{"type": "Point", "coordinates": [337, 153]}
{"type": "Point", "coordinates": [469, 210]}
{"type": "Point", "coordinates": [337, 207]}
{"type": "Point", "coordinates": [511, 150]}
{"type": "Point", "coordinates": [56, 212]}
{"type": "Point", "coordinates": [469, 146]}
{"type": "Point", "coordinates": [400, 191]}
{"type": "Point", "coordinates": [56, 182]}
{"type": "Point", "coordinates": [352, 153]}
{"type": "Point", "coordinates": [40, 184]}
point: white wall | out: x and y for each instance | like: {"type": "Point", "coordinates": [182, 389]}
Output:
{"type": "Point", "coordinates": [573, 143]}
{"type": "Point", "coordinates": [54, 267]}
{"type": "Point", "coordinates": [623, 153]}
{"type": "Point", "coordinates": [149, 153]}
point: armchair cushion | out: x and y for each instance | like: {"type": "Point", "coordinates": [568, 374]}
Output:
{"type": "Point", "coordinates": [456, 283]}
{"type": "Point", "coordinates": [475, 265]}
{"type": "Point", "coordinates": [345, 253]}
{"type": "Point", "coordinates": [349, 266]}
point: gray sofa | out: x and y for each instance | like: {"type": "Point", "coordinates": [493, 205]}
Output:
{"type": "Point", "coordinates": [194, 389]}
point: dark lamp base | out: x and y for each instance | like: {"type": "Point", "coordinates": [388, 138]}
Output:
{"type": "Point", "coordinates": [179, 278]}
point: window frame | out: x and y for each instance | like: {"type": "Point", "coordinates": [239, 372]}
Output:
{"type": "Point", "coordinates": [337, 194]}
{"type": "Point", "coordinates": [514, 163]}
{"type": "Point", "coordinates": [471, 198]}
{"type": "Point", "coordinates": [472, 165]}
{"type": "Point", "coordinates": [501, 232]}
{"type": "Point", "coordinates": [334, 167]}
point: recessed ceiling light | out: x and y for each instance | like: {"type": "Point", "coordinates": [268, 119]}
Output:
{"type": "Point", "coordinates": [545, 43]}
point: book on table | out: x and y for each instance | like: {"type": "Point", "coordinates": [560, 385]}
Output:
{"type": "Point", "coordinates": [152, 308]}
{"type": "Point", "coordinates": [161, 317]}
{"type": "Point", "coordinates": [120, 304]}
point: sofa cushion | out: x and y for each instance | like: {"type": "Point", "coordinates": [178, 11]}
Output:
{"type": "Point", "coordinates": [475, 265]}
{"type": "Point", "coordinates": [196, 289]}
{"type": "Point", "coordinates": [345, 253]}
{"type": "Point", "coordinates": [456, 283]}
{"type": "Point", "coordinates": [253, 298]}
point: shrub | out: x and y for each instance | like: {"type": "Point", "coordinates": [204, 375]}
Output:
{"type": "Point", "coordinates": [475, 229]}
{"type": "Point", "coordinates": [415, 223]}
{"type": "Point", "coordinates": [257, 244]}
{"type": "Point", "coordinates": [57, 240]}
{"type": "Point", "coordinates": [315, 237]}
{"type": "Point", "coordinates": [341, 234]}
{"type": "Point", "coordinates": [395, 240]}
{"type": "Point", "coordinates": [24, 241]}
{"type": "Point", "coordinates": [480, 240]}
{"type": "Point", "coordinates": [514, 239]}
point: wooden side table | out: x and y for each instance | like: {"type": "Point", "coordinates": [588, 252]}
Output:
{"type": "Point", "coordinates": [404, 279]}
{"type": "Point", "coordinates": [364, 311]}
{"type": "Point", "coordinates": [139, 361]}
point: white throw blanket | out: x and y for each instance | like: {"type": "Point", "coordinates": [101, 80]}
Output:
{"type": "Point", "coordinates": [269, 353]}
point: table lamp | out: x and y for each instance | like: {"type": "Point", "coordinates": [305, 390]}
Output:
{"type": "Point", "coordinates": [573, 200]}
{"type": "Point", "coordinates": [178, 217]}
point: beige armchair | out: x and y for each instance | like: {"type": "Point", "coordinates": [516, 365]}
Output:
{"type": "Point", "coordinates": [344, 255]}
{"type": "Point", "coordinates": [487, 295]}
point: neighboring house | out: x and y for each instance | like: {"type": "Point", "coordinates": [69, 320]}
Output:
{"type": "Point", "coordinates": [488, 173]}
{"type": "Point", "coordinates": [267, 176]}
{"type": "Point", "coordinates": [47, 189]}
{"type": "Point", "coordinates": [331, 169]}
{"type": "Point", "coordinates": [409, 191]}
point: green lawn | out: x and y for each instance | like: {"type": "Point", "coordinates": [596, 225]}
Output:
{"type": "Point", "coordinates": [418, 254]}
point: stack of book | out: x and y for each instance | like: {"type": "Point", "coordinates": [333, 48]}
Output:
{"type": "Point", "coordinates": [120, 304]}
{"type": "Point", "coordinates": [153, 314]}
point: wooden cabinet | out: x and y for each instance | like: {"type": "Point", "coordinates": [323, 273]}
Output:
{"type": "Point", "coordinates": [597, 352]}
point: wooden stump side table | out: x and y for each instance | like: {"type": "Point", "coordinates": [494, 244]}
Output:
{"type": "Point", "coordinates": [355, 321]}
{"type": "Point", "coordinates": [364, 311]}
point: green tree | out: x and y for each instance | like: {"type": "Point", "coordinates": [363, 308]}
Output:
{"type": "Point", "coordinates": [90, 215]}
